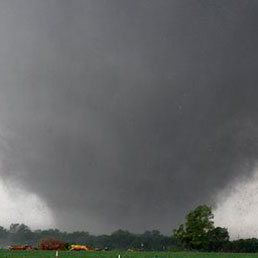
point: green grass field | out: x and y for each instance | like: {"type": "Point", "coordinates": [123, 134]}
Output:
{"type": "Point", "coordinates": [114, 254]}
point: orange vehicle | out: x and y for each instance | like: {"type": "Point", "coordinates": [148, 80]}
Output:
{"type": "Point", "coordinates": [78, 248]}
{"type": "Point", "coordinates": [19, 247]}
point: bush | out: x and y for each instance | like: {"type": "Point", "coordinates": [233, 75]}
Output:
{"type": "Point", "coordinates": [174, 248]}
{"type": "Point", "coordinates": [49, 243]}
{"type": "Point", "coordinates": [67, 246]}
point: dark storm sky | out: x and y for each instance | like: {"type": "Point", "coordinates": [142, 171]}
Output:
{"type": "Point", "coordinates": [126, 114]}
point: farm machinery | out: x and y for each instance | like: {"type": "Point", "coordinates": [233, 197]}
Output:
{"type": "Point", "coordinates": [78, 248]}
{"type": "Point", "coordinates": [20, 247]}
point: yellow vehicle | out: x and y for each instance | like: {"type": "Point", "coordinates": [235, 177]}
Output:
{"type": "Point", "coordinates": [78, 248]}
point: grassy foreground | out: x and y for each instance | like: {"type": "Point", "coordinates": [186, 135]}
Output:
{"type": "Point", "coordinates": [114, 254]}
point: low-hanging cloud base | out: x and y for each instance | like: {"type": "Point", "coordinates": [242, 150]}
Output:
{"type": "Point", "coordinates": [127, 114]}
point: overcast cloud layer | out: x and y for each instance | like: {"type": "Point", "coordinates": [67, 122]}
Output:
{"type": "Point", "coordinates": [126, 114]}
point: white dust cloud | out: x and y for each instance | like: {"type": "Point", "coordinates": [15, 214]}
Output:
{"type": "Point", "coordinates": [18, 206]}
{"type": "Point", "coordinates": [237, 208]}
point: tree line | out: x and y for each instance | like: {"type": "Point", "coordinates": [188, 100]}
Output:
{"type": "Point", "coordinates": [198, 233]}
{"type": "Point", "coordinates": [20, 234]}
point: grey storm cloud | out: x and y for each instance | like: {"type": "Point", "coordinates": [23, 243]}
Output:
{"type": "Point", "coordinates": [126, 114]}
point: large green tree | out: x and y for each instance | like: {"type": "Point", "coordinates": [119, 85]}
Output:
{"type": "Point", "coordinates": [194, 233]}
{"type": "Point", "coordinates": [217, 239]}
